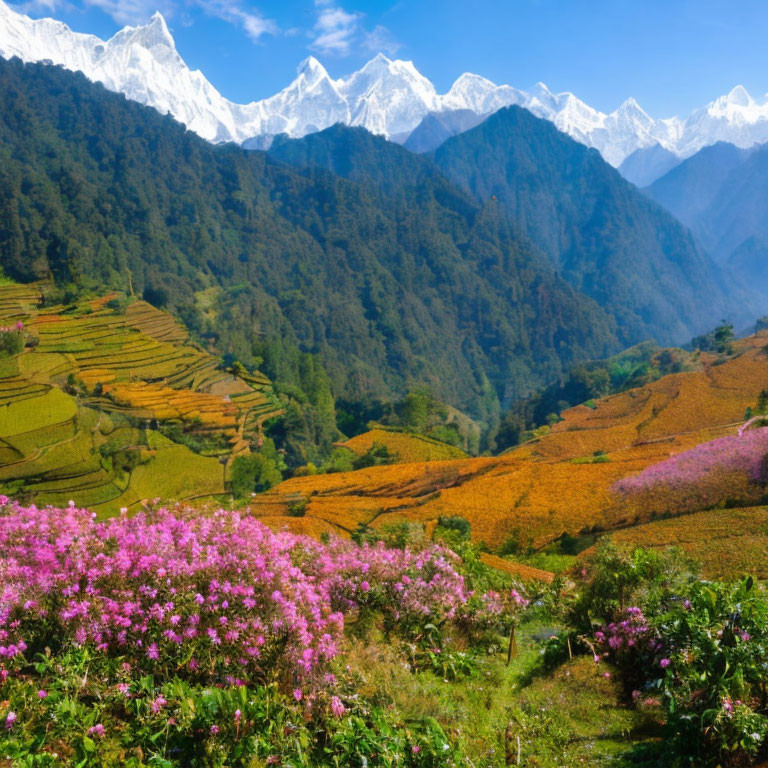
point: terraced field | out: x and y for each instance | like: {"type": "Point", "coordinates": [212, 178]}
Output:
{"type": "Point", "coordinates": [406, 447]}
{"type": "Point", "coordinates": [727, 543]}
{"type": "Point", "coordinates": [81, 405]}
{"type": "Point", "coordinates": [551, 485]}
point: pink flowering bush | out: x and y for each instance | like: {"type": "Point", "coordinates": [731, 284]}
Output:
{"type": "Point", "coordinates": [631, 644]}
{"type": "Point", "coordinates": [692, 649]}
{"type": "Point", "coordinates": [204, 638]}
{"type": "Point", "coordinates": [213, 596]}
{"type": "Point", "coordinates": [729, 469]}
{"type": "Point", "coordinates": [712, 673]}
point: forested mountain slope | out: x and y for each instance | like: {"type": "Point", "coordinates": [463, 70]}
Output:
{"type": "Point", "coordinates": [722, 194]}
{"type": "Point", "coordinates": [601, 233]}
{"type": "Point", "coordinates": [99, 191]}
{"type": "Point", "coordinates": [689, 190]}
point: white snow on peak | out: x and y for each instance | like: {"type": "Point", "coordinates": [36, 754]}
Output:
{"type": "Point", "coordinates": [386, 96]}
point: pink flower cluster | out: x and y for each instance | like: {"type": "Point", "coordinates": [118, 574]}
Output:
{"type": "Point", "coordinates": [743, 454]}
{"type": "Point", "coordinates": [216, 595]}
{"type": "Point", "coordinates": [630, 643]}
{"type": "Point", "coordinates": [630, 632]}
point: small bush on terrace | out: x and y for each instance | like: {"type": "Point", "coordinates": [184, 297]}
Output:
{"type": "Point", "coordinates": [692, 648]}
{"type": "Point", "coordinates": [12, 340]}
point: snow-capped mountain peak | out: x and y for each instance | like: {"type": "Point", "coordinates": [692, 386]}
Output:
{"type": "Point", "coordinates": [155, 33]}
{"type": "Point", "coordinates": [312, 69]}
{"type": "Point", "coordinates": [387, 96]}
{"type": "Point", "coordinates": [739, 96]}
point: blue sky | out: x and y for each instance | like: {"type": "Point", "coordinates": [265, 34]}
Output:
{"type": "Point", "coordinates": [671, 55]}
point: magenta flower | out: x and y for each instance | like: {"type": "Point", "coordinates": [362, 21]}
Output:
{"type": "Point", "coordinates": [96, 730]}
{"type": "Point", "coordinates": [41, 694]}
{"type": "Point", "coordinates": [337, 707]}
{"type": "Point", "coordinates": [298, 694]}
{"type": "Point", "coordinates": [10, 719]}
{"type": "Point", "coordinates": [158, 587]}
{"type": "Point", "coordinates": [214, 730]}
{"type": "Point", "coordinates": [741, 454]}
{"type": "Point", "coordinates": [664, 663]}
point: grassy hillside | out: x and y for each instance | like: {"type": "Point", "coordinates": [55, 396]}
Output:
{"type": "Point", "coordinates": [558, 482]}
{"type": "Point", "coordinates": [109, 403]}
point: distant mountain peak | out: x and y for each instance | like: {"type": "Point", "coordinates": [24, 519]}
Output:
{"type": "Point", "coordinates": [154, 33]}
{"type": "Point", "coordinates": [379, 60]}
{"type": "Point", "coordinates": [312, 70]}
{"type": "Point", "coordinates": [387, 96]}
{"type": "Point", "coordinates": [739, 95]}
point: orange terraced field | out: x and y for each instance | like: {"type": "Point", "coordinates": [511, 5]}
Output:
{"type": "Point", "coordinates": [725, 542]}
{"type": "Point", "coordinates": [405, 446]}
{"type": "Point", "coordinates": [536, 492]}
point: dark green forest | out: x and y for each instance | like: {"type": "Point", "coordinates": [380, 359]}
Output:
{"type": "Point", "coordinates": [387, 291]}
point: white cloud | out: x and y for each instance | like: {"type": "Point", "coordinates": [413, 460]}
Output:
{"type": "Point", "coordinates": [133, 11]}
{"type": "Point", "coordinates": [37, 6]}
{"type": "Point", "coordinates": [252, 22]}
{"type": "Point", "coordinates": [380, 40]}
{"type": "Point", "coordinates": [337, 31]}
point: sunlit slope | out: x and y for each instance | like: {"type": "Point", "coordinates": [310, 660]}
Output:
{"type": "Point", "coordinates": [403, 447]}
{"type": "Point", "coordinates": [725, 543]}
{"type": "Point", "coordinates": [83, 407]}
{"type": "Point", "coordinates": [555, 483]}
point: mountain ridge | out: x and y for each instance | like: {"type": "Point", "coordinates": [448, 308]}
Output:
{"type": "Point", "coordinates": [388, 97]}
{"type": "Point", "coordinates": [601, 233]}
{"type": "Point", "coordinates": [390, 293]}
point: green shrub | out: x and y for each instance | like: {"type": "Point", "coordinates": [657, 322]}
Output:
{"type": "Point", "coordinates": [255, 473]}
{"type": "Point", "coordinates": [460, 525]}
{"type": "Point", "coordinates": [713, 679]}
{"type": "Point", "coordinates": [516, 543]}
{"type": "Point", "coordinates": [11, 342]}
{"type": "Point", "coordinates": [298, 508]}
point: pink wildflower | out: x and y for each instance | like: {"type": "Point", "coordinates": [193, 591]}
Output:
{"type": "Point", "coordinates": [337, 707]}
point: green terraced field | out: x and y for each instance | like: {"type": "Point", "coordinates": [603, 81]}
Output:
{"type": "Point", "coordinates": [22, 413]}
{"type": "Point", "coordinates": [60, 427]}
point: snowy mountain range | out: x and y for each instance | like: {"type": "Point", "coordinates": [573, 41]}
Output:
{"type": "Point", "coordinates": [387, 97]}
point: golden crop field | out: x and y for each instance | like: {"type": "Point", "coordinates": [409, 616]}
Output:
{"type": "Point", "coordinates": [725, 542]}
{"type": "Point", "coordinates": [535, 492]}
{"type": "Point", "coordinates": [404, 446]}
